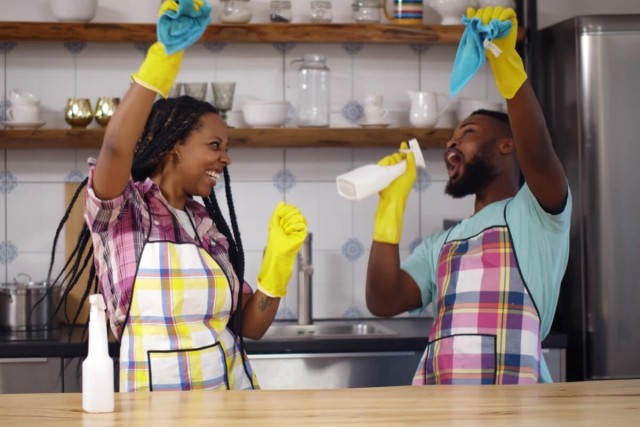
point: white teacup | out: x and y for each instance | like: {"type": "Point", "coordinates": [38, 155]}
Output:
{"type": "Point", "coordinates": [24, 113]}
{"type": "Point", "coordinates": [374, 100]}
{"type": "Point", "coordinates": [20, 97]}
{"type": "Point", "coordinates": [374, 114]}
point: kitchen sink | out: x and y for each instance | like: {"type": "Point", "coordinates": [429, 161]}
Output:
{"type": "Point", "coordinates": [328, 330]}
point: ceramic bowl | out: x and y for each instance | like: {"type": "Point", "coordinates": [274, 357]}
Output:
{"type": "Point", "coordinates": [74, 10]}
{"type": "Point", "coordinates": [451, 10]}
{"type": "Point", "coordinates": [503, 3]}
{"type": "Point", "coordinates": [265, 113]}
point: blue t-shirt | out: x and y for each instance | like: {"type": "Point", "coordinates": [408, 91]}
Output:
{"type": "Point", "coordinates": [541, 244]}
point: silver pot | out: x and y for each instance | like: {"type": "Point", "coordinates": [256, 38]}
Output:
{"type": "Point", "coordinates": [28, 306]}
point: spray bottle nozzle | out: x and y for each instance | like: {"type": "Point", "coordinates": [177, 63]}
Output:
{"type": "Point", "coordinates": [417, 153]}
{"type": "Point", "coordinates": [97, 307]}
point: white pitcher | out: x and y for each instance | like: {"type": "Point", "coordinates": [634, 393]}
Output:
{"type": "Point", "coordinates": [424, 109]}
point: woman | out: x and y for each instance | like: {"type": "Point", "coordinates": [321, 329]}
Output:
{"type": "Point", "coordinates": [170, 269]}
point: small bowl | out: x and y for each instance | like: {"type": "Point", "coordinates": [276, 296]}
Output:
{"type": "Point", "coordinates": [74, 10]}
{"type": "Point", "coordinates": [265, 114]}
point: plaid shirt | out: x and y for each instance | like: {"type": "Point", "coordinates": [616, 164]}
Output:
{"type": "Point", "coordinates": [120, 228]}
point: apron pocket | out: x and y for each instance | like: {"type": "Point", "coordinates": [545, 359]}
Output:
{"type": "Point", "coordinates": [192, 369]}
{"type": "Point", "coordinates": [461, 359]}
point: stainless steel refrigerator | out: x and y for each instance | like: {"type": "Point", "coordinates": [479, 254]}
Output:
{"type": "Point", "coordinates": [590, 90]}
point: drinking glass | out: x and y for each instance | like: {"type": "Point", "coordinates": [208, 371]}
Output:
{"type": "Point", "coordinates": [223, 97]}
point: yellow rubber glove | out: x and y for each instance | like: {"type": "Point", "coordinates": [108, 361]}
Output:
{"type": "Point", "coordinates": [287, 231]}
{"type": "Point", "coordinates": [159, 70]}
{"type": "Point", "coordinates": [393, 199]}
{"type": "Point", "coordinates": [508, 68]}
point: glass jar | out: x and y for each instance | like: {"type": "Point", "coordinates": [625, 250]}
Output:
{"type": "Point", "coordinates": [313, 91]}
{"type": "Point", "coordinates": [236, 12]}
{"type": "Point", "coordinates": [280, 11]}
{"type": "Point", "coordinates": [321, 11]}
{"type": "Point", "coordinates": [367, 11]}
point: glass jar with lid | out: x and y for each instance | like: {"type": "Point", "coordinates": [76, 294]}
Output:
{"type": "Point", "coordinates": [321, 11]}
{"type": "Point", "coordinates": [236, 12]}
{"type": "Point", "coordinates": [367, 11]}
{"type": "Point", "coordinates": [280, 11]}
{"type": "Point", "coordinates": [314, 81]}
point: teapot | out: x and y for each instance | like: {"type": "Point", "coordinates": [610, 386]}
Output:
{"type": "Point", "coordinates": [425, 109]}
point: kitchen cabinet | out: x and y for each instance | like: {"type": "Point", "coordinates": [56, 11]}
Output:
{"type": "Point", "coordinates": [248, 33]}
{"type": "Point", "coordinates": [334, 370]}
{"type": "Point", "coordinates": [40, 375]}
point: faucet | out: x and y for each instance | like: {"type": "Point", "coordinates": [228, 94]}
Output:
{"type": "Point", "coordinates": [305, 271]}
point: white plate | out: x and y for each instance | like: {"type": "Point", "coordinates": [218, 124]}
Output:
{"type": "Point", "coordinates": [374, 125]}
{"type": "Point", "coordinates": [23, 125]}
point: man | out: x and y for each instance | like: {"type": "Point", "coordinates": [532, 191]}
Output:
{"type": "Point", "coordinates": [493, 278]}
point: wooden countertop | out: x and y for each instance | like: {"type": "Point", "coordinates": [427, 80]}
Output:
{"type": "Point", "coordinates": [598, 403]}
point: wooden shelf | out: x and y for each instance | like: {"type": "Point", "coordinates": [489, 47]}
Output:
{"type": "Point", "coordinates": [258, 138]}
{"type": "Point", "coordinates": [247, 33]}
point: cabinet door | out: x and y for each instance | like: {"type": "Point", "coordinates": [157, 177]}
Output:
{"type": "Point", "coordinates": [334, 370]}
{"type": "Point", "coordinates": [556, 361]}
{"type": "Point", "coordinates": [39, 375]}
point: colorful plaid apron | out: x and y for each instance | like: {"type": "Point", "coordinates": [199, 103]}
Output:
{"type": "Point", "coordinates": [487, 328]}
{"type": "Point", "coordinates": [176, 335]}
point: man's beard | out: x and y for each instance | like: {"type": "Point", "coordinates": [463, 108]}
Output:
{"type": "Point", "coordinates": [476, 175]}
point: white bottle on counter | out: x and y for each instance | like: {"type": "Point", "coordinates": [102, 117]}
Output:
{"type": "Point", "coordinates": [367, 180]}
{"type": "Point", "coordinates": [97, 368]}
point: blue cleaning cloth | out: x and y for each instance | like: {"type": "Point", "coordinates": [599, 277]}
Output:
{"type": "Point", "coordinates": [470, 55]}
{"type": "Point", "coordinates": [179, 29]}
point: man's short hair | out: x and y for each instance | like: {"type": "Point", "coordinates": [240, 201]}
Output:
{"type": "Point", "coordinates": [498, 115]}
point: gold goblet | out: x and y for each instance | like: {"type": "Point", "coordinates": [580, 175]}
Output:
{"type": "Point", "coordinates": [77, 112]}
{"type": "Point", "coordinates": [105, 107]}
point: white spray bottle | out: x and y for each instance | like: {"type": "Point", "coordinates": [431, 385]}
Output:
{"type": "Point", "coordinates": [367, 180]}
{"type": "Point", "coordinates": [97, 368]}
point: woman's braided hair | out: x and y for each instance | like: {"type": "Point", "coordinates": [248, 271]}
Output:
{"type": "Point", "coordinates": [170, 122]}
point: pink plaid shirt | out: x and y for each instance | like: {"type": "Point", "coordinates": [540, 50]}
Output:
{"type": "Point", "coordinates": [119, 230]}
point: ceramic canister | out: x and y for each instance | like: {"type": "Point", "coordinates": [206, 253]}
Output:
{"type": "Point", "coordinates": [407, 12]}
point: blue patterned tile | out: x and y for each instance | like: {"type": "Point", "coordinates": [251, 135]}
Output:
{"type": "Point", "coordinates": [8, 182]}
{"type": "Point", "coordinates": [352, 111]}
{"type": "Point", "coordinates": [423, 180]}
{"type": "Point", "coordinates": [75, 176]}
{"type": "Point", "coordinates": [75, 48]}
{"type": "Point", "coordinates": [284, 181]}
{"type": "Point", "coordinates": [285, 313]}
{"type": "Point", "coordinates": [284, 48]}
{"type": "Point", "coordinates": [215, 47]}
{"type": "Point", "coordinates": [8, 252]}
{"type": "Point", "coordinates": [353, 312]}
{"type": "Point", "coordinates": [419, 49]}
{"type": "Point", "coordinates": [414, 244]}
{"type": "Point", "coordinates": [352, 48]}
{"type": "Point", "coordinates": [292, 113]}
{"type": "Point", "coordinates": [7, 47]}
{"type": "Point", "coordinates": [142, 47]}
{"type": "Point", "coordinates": [3, 109]}
{"type": "Point", "coordinates": [352, 249]}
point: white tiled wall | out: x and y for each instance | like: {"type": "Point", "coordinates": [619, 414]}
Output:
{"type": "Point", "coordinates": [31, 193]}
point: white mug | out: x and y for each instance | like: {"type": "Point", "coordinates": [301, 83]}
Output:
{"type": "Point", "coordinates": [374, 114]}
{"type": "Point", "coordinates": [20, 97]}
{"type": "Point", "coordinates": [374, 100]}
{"type": "Point", "coordinates": [23, 113]}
